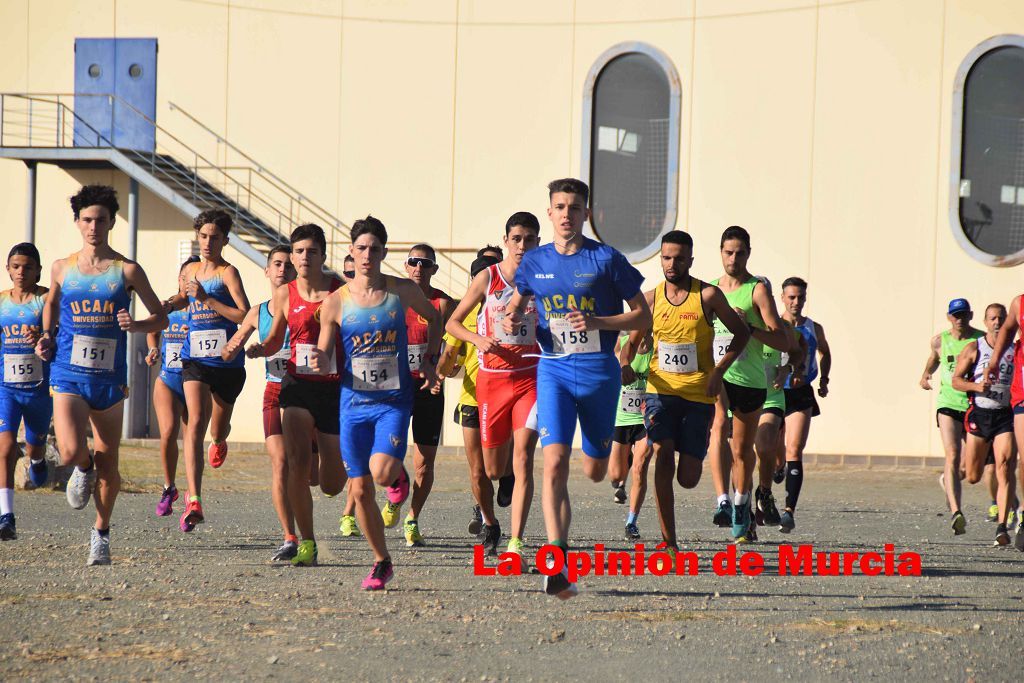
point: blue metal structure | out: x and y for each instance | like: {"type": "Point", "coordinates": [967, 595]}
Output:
{"type": "Point", "coordinates": [125, 67]}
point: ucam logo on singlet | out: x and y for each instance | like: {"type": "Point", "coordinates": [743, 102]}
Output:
{"type": "Point", "coordinates": [569, 302]}
{"type": "Point", "coordinates": [92, 306]}
{"type": "Point", "coordinates": [19, 331]}
{"type": "Point", "coordinates": [374, 338]}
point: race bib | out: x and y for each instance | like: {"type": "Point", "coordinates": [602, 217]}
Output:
{"type": "Point", "coordinates": [172, 355]}
{"type": "Point", "coordinates": [631, 401]}
{"type": "Point", "coordinates": [277, 365]}
{"type": "Point", "coordinates": [206, 343]}
{"type": "Point", "coordinates": [416, 356]}
{"type": "Point", "coordinates": [524, 333]}
{"type": "Point", "coordinates": [721, 346]}
{"type": "Point", "coordinates": [566, 340]}
{"type": "Point", "coordinates": [302, 354]}
{"type": "Point", "coordinates": [997, 396]}
{"type": "Point", "coordinates": [376, 373]}
{"type": "Point", "coordinates": [22, 368]}
{"type": "Point", "coordinates": [677, 358]}
{"type": "Point", "coordinates": [96, 353]}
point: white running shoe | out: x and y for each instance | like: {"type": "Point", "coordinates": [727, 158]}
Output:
{"type": "Point", "coordinates": [80, 487]}
{"type": "Point", "coordinates": [99, 549]}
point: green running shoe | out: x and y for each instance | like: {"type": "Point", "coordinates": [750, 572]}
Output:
{"type": "Point", "coordinates": [959, 523]}
{"type": "Point", "coordinates": [413, 538]}
{"type": "Point", "coordinates": [390, 513]}
{"type": "Point", "coordinates": [348, 526]}
{"type": "Point", "coordinates": [306, 557]}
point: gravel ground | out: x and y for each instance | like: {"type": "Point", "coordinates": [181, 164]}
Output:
{"type": "Point", "coordinates": [210, 604]}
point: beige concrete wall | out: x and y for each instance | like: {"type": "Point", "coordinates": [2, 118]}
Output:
{"type": "Point", "coordinates": [823, 127]}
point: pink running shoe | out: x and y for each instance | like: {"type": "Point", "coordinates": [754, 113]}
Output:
{"type": "Point", "coordinates": [193, 515]}
{"type": "Point", "coordinates": [164, 508]}
{"type": "Point", "coordinates": [218, 454]}
{"type": "Point", "coordinates": [379, 576]}
{"type": "Point", "coordinates": [399, 491]}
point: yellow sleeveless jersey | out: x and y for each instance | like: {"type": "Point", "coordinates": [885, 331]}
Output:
{"type": "Point", "coordinates": [683, 339]}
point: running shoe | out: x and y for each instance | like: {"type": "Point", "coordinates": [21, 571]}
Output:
{"type": "Point", "coordinates": [492, 537]}
{"type": "Point", "coordinates": [559, 584]}
{"type": "Point", "coordinates": [740, 521]}
{"type": "Point", "coordinates": [169, 495]}
{"type": "Point", "coordinates": [993, 513]}
{"type": "Point", "coordinates": [723, 514]}
{"type": "Point", "coordinates": [619, 495]}
{"type": "Point", "coordinates": [99, 549]}
{"type": "Point", "coordinates": [413, 538]}
{"type": "Point", "coordinates": [38, 474]}
{"type": "Point", "coordinates": [1002, 535]}
{"type": "Point", "coordinates": [80, 487]}
{"type": "Point", "coordinates": [476, 523]}
{"type": "Point", "coordinates": [391, 513]}
{"type": "Point", "coordinates": [1018, 537]}
{"type": "Point", "coordinates": [218, 453]}
{"type": "Point", "coordinates": [192, 515]}
{"type": "Point", "coordinates": [758, 516]}
{"type": "Point", "coordinates": [632, 532]}
{"type": "Point", "coordinates": [306, 554]}
{"type": "Point", "coordinates": [399, 490]}
{"type": "Point", "coordinates": [780, 475]}
{"type": "Point", "coordinates": [515, 545]}
{"type": "Point", "coordinates": [506, 484]}
{"type": "Point", "coordinates": [769, 512]}
{"type": "Point", "coordinates": [752, 532]}
{"type": "Point", "coordinates": [959, 523]}
{"type": "Point", "coordinates": [786, 521]}
{"type": "Point", "coordinates": [348, 526]}
{"type": "Point", "coordinates": [286, 552]}
{"type": "Point", "coordinates": [379, 576]}
{"type": "Point", "coordinates": [1010, 518]}
{"type": "Point", "coordinates": [7, 530]}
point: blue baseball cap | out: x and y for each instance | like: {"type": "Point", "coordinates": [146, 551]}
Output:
{"type": "Point", "coordinates": [958, 306]}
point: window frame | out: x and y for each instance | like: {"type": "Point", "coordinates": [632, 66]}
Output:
{"type": "Point", "coordinates": [956, 151]}
{"type": "Point", "coordinates": [674, 108]}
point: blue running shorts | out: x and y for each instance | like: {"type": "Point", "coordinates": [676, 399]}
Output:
{"type": "Point", "coordinates": [584, 387]}
{"type": "Point", "coordinates": [372, 428]}
{"type": "Point", "coordinates": [34, 406]}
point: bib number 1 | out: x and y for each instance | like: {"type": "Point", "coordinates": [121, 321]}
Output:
{"type": "Point", "coordinates": [96, 353]}
{"type": "Point", "coordinates": [20, 368]}
{"type": "Point", "coordinates": [566, 340]}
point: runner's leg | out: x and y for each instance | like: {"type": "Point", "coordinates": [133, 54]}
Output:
{"type": "Point", "coordinates": [106, 438]}
{"type": "Point", "coordinates": [199, 404]}
{"type": "Point", "coordinates": [524, 446]}
{"type": "Point", "coordinates": [951, 431]}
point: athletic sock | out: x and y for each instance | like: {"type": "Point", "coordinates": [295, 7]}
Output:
{"type": "Point", "coordinates": [35, 461]}
{"type": "Point", "coordinates": [6, 501]}
{"type": "Point", "coordinates": [105, 533]}
{"type": "Point", "coordinates": [291, 537]}
{"type": "Point", "coordinates": [632, 517]}
{"type": "Point", "coordinates": [409, 519]}
{"type": "Point", "coordinates": [794, 480]}
{"type": "Point", "coordinates": [740, 498]}
{"type": "Point", "coordinates": [724, 498]}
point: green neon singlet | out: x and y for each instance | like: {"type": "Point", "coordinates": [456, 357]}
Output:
{"type": "Point", "coordinates": [948, 352]}
{"type": "Point", "coordinates": [748, 369]}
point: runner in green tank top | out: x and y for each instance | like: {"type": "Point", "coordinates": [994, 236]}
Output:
{"type": "Point", "coordinates": [951, 404]}
{"type": "Point", "coordinates": [744, 385]}
{"type": "Point", "coordinates": [630, 449]}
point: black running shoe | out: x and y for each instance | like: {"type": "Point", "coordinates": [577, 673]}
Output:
{"type": "Point", "coordinates": [619, 495]}
{"type": "Point", "coordinates": [959, 523]}
{"type": "Point", "coordinates": [287, 551]}
{"type": "Point", "coordinates": [560, 586]}
{"type": "Point", "coordinates": [632, 532]}
{"type": "Point", "coordinates": [1018, 538]}
{"type": "Point", "coordinates": [476, 523]}
{"type": "Point", "coordinates": [1002, 535]}
{"type": "Point", "coordinates": [758, 514]}
{"type": "Point", "coordinates": [780, 475]}
{"type": "Point", "coordinates": [505, 486]}
{"type": "Point", "coordinates": [7, 527]}
{"type": "Point", "coordinates": [492, 537]}
{"type": "Point", "coordinates": [769, 512]}
{"type": "Point", "coordinates": [723, 514]}
{"type": "Point", "coordinates": [786, 522]}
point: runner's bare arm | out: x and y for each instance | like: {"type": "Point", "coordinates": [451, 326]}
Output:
{"type": "Point", "coordinates": [932, 364]}
{"type": "Point", "coordinates": [275, 337]}
{"type": "Point", "coordinates": [455, 326]}
{"type": "Point", "coordinates": [638, 317]}
{"type": "Point", "coordinates": [774, 335]}
{"type": "Point", "coordinates": [720, 306]}
{"type": "Point", "coordinates": [965, 363]}
{"type": "Point", "coordinates": [136, 279]}
{"type": "Point", "coordinates": [824, 362]}
{"type": "Point", "coordinates": [245, 330]}
{"type": "Point", "coordinates": [153, 346]}
{"type": "Point", "coordinates": [627, 351]}
{"type": "Point", "coordinates": [1006, 334]}
{"type": "Point", "coordinates": [180, 300]}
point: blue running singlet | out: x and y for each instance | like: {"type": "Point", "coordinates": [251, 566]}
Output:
{"type": "Point", "coordinates": [208, 330]}
{"type": "Point", "coordinates": [173, 341]}
{"type": "Point", "coordinates": [90, 346]}
{"type": "Point", "coordinates": [811, 337]}
{"type": "Point", "coordinates": [22, 369]}
{"type": "Point", "coordinates": [376, 359]}
{"type": "Point", "coordinates": [277, 365]}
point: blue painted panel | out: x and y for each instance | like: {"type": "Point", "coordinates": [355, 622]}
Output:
{"type": "Point", "coordinates": [94, 75]}
{"type": "Point", "coordinates": [125, 68]}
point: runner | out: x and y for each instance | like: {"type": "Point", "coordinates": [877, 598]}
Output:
{"type": "Point", "coordinates": [88, 306]}
{"type": "Point", "coordinates": [376, 385]}
{"type": "Point", "coordinates": [25, 379]}
{"type": "Point", "coordinates": [989, 420]}
{"type": "Point", "coordinates": [309, 397]}
{"type": "Point", "coordinates": [951, 405]}
{"type": "Point", "coordinates": [744, 383]}
{"type": "Point", "coordinates": [279, 271]}
{"type": "Point", "coordinates": [457, 354]}
{"type": "Point", "coordinates": [799, 395]}
{"type": "Point", "coordinates": [579, 285]}
{"type": "Point", "coordinates": [1005, 340]}
{"type": "Point", "coordinates": [769, 440]}
{"type": "Point", "coordinates": [428, 404]}
{"type": "Point", "coordinates": [507, 383]}
{"type": "Point", "coordinates": [630, 448]}
{"type": "Point", "coordinates": [684, 379]}
{"type": "Point", "coordinates": [168, 394]}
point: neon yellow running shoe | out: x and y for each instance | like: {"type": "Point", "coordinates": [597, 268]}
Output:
{"type": "Point", "coordinates": [306, 556]}
{"type": "Point", "coordinates": [1010, 517]}
{"type": "Point", "coordinates": [515, 545]}
{"type": "Point", "coordinates": [993, 512]}
{"type": "Point", "coordinates": [348, 526]}
{"type": "Point", "coordinates": [413, 538]}
{"type": "Point", "coordinates": [390, 513]}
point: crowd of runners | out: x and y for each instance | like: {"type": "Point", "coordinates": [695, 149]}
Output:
{"type": "Point", "coordinates": [541, 341]}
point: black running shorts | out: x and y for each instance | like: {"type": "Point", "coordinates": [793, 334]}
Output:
{"type": "Point", "coordinates": [467, 416]}
{"type": "Point", "coordinates": [319, 399]}
{"type": "Point", "coordinates": [988, 424]}
{"type": "Point", "coordinates": [801, 399]}
{"type": "Point", "coordinates": [226, 383]}
{"type": "Point", "coordinates": [744, 399]}
{"type": "Point", "coordinates": [427, 416]}
{"type": "Point", "coordinates": [629, 434]}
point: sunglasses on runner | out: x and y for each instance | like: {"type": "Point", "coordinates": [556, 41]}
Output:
{"type": "Point", "coordinates": [420, 261]}
{"type": "Point", "coordinates": [349, 274]}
